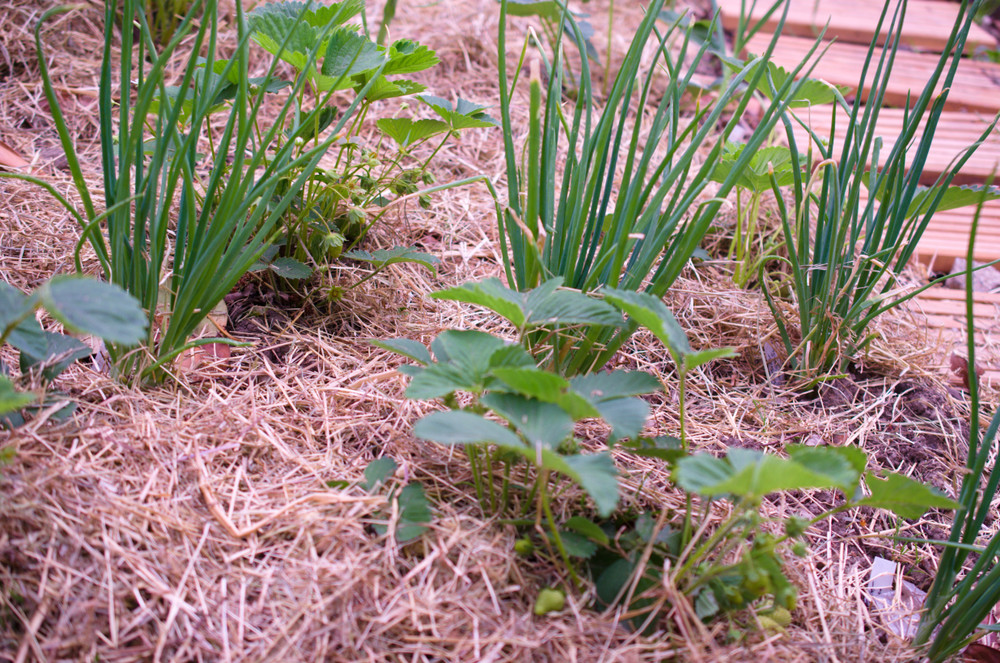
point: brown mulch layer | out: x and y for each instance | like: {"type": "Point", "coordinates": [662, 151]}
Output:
{"type": "Point", "coordinates": [203, 520]}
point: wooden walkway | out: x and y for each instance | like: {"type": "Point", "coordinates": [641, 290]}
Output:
{"type": "Point", "coordinates": [976, 86]}
{"type": "Point", "coordinates": [854, 22]}
{"type": "Point", "coordinates": [972, 103]}
{"type": "Point", "coordinates": [955, 133]}
{"type": "Point", "coordinates": [944, 311]}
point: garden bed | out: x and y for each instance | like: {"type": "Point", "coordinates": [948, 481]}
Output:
{"type": "Point", "coordinates": [208, 518]}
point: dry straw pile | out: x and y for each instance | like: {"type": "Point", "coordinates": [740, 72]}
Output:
{"type": "Point", "coordinates": [193, 522]}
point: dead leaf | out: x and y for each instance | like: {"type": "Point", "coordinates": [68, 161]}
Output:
{"type": "Point", "coordinates": [9, 158]}
{"type": "Point", "coordinates": [977, 653]}
{"type": "Point", "coordinates": [192, 358]}
{"type": "Point", "coordinates": [960, 368]}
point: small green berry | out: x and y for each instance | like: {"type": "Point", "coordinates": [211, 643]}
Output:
{"type": "Point", "coordinates": [549, 600]}
{"type": "Point", "coordinates": [524, 547]}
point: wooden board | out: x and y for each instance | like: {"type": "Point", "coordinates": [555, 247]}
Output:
{"type": "Point", "coordinates": [947, 235]}
{"type": "Point", "coordinates": [956, 131]}
{"type": "Point", "coordinates": [926, 26]}
{"type": "Point", "coordinates": [976, 85]}
{"type": "Point", "coordinates": [944, 312]}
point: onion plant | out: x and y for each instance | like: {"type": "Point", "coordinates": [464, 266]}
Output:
{"type": "Point", "coordinates": [847, 247]}
{"type": "Point", "coordinates": [955, 610]}
{"type": "Point", "coordinates": [179, 224]}
{"type": "Point", "coordinates": [164, 16]}
{"type": "Point", "coordinates": [629, 202]}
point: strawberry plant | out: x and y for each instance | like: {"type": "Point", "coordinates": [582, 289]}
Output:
{"type": "Point", "coordinates": [332, 213]}
{"type": "Point", "coordinates": [739, 563]}
{"type": "Point", "coordinates": [519, 415]}
{"type": "Point", "coordinates": [81, 305]}
{"type": "Point", "coordinates": [749, 246]}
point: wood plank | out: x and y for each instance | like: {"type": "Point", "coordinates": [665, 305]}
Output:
{"type": "Point", "coordinates": [947, 307]}
{"type": "Point", "coordinates": [947, 235]}
{"type": "Point", "coordinates": [943, 310]}
{"type": "Point", "coordinates": [926, 26]}
{"type": "Point", "coordinates": [956, 131]}
{"type": "Point", "coordinates": [952, 295]}
{"type": "Point", "coordinates": [941, 259]}
{"type": "Point", "coordinates": [976, 85]}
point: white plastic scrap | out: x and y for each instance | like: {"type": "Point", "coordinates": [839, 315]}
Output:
{"type": "Point", "coordinates": [897, 605]}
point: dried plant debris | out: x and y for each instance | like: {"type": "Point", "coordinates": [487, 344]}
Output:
{"type": "Point", "coordinates": [226, 516]}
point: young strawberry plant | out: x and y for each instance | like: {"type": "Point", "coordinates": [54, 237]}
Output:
{"type": "Point", "coordinates": [522, 413]}
{"type": "Point", "coordinates": [739, 563]}
{"type": "Point", "coordinates": [736, 565]}
{"type": "Point", "coordinates": [506, 410]}
{"type": "Point", "coordinates": [81, 305]}
{"type": "Point", "coordinates": [519, 413]}
{"type": "Point", "coordinates": [332, 213]}
{"type": "Point", "coordinates": [750, 247]}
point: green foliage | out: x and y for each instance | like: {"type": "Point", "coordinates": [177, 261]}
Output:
{"type": "Point", "coordinates": [413, 511]}
{"type": "Point", "coordinates": [650, 312]}
{"type": "Point", "coordinates": [331, 215]}
{"type": "Point", "coordinates": [609, 212]}
{"type": "Point", "coordinates": [553, 23]}
{"type": "Point", "coordinates": [12, 400]}
{"type": "Point", "coordinates": [844, 255]}
{"type": "Point", "coordinates": [941, 199]}
{"type": "Point", "coordinates": [174, 215]}
{"type": "Point", "coordinates": [966, 588]}
{"type": "Point", "coordinates": [749, 248]}
{"type": "Point", "coordinates": [812, 92]}
{"type": "Point", "coordinates": [514, 412]}
{"type": "Point", "coordinates": [388, 13]}
{"type": "Point", "coordinates": [83, 306]}
{"type": "Point", "coordinates": [544, 316]}
{"type": "Point", "coordinates": [260, 177]}
{"type": "Point", "coordinates": [756, 175]}
{"type": "Point", "coordinates": [740, 564]}
{"type": "Point", "coordinates": [382, 258]}
{"type": "Point", "coordinates": [377, 471]}
{"type": "Point", "coordinates": [163, 17]}
{"type": "Point", "coordinates": [523, 414]}
{"type": "Point", "coordinates": [463, 115]}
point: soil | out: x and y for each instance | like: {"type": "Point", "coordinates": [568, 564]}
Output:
{"type": "Point", "coordinates": [222, 516]}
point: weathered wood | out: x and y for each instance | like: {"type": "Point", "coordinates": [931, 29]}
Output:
{"type": "Point", "coordinates": [955, 133]}
{"type": "Point", "coordinates": [943, 310]}
{"type": "Point", "coordinates": [947, 234]}
{"type": "Point", "coordinates": [926, 26]}
{"type": "Point", "coordinates": [976, 85]}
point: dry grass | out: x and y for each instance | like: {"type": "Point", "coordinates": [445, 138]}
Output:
{"type": "Point", "coordinates": [194, 522]}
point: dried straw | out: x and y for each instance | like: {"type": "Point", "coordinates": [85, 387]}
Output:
{"type": "Point", "coordinates": [194, 521]}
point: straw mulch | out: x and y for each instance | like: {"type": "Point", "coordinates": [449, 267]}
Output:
{"type": "Point", "coordinates": [194, 521]}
